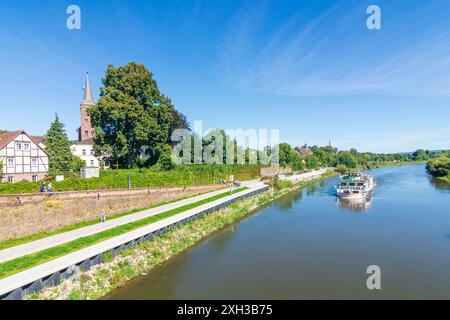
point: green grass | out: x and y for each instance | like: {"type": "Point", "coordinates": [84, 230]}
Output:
{"type": "Point", "coordinates": [20, 264]}
{"type": "Point", "coordinates": [37, 236]}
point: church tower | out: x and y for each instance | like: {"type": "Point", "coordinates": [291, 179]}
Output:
{"type": "Point", "coordinates": [86, 131]}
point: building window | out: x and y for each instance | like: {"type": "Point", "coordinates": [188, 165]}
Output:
{"type": "Point", "coordinates": [86, 132]}
{"type": "Point", "coordinates": [11, 179]}
{"type": "Point", "coordinates": [10, 162]}
{"type": "Point", "coordinates": [26, 146]}
{"type": "Point", "coordinates": [34, 178]}
{"type": "Point", "coordinates": [34, 162]}
{"type": "Point", "coordinates": [18, 146]}
{"type": "Point", "coordinates": [84, 152]}
{"type": "Point", "coordinates": [92, 163]}
{"type": "Point", "coordinates": [74, 150]}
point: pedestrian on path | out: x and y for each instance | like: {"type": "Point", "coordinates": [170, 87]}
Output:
{"type": "Point", "coordinates": [50, 187]}
{"type": "Point", "coordinates": [42, 187]}
{"type": "Point", "coordinates": [103, 218]}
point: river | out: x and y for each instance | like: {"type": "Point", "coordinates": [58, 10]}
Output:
{"type": "Point", "coordinates": [307, 245]}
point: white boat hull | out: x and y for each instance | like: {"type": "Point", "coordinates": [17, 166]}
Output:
{"type": "Point", "coordinates": [359, 194]}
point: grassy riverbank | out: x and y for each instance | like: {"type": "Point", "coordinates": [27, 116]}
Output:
{"type": "Point", "coordinates": [133, 262]}
{"type": "Point", "coordinates": [26, 262]}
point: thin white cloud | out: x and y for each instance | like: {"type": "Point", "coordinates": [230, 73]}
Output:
{"type": "Point", "coordinates": [333, 54]}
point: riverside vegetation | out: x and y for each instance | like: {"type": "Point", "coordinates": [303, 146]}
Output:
{"type": "Point", "coordinates": [440, 167]}
{"type": "Point", "coordinates": [132, 262]}
{"type": "Point", "coordinates": [144, 178]}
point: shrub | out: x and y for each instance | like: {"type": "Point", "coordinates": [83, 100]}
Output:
{"type": "Point", "coordinates": [439, 167]}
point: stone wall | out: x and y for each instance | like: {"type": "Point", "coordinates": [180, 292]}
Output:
{"type": "Point", "coordinates": [26, 214]}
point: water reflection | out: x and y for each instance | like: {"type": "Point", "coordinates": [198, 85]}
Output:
{"type": "Point", "coordinates": [285, 203]}
{"type": "Point", "coordinates": [440, 184]}
{"type": "Point", "coordinates": [355, 205]}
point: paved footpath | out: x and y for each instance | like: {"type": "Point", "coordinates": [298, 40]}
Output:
{"type": "Point", "coordinates": [52, 241]}
{"type": "Point", "coordinates": [314, 174]}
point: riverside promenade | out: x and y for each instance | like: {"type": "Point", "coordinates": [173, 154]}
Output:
{"type": "Point", "coordinates": [58, 239]}
{"type": "Point", "coordinates": [51, 273]}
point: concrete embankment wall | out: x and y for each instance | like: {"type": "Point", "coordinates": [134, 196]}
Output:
{"type": "Point", "coordinates": [19, 286]}
{"type": "Point", "coordinates": [26, 214]}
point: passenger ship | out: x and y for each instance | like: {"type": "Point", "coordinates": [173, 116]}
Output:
{"type": "Point", "coordinates": [355, 186]}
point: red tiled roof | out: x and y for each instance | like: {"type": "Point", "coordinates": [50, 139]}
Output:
{"type": "Point", "coordinates": [7, 137]}
{"type": "Point", "coordinates": [38, 139]}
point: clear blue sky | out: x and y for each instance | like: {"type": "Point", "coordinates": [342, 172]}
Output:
{"type": "Point", "coordinates": [310, 68]}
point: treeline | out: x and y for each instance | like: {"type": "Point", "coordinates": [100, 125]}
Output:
{"type": "Point", "coordinates": [344, 160]}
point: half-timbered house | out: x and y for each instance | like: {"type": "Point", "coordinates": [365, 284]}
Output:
{"type": "Point", "coordinates": [23, 158]}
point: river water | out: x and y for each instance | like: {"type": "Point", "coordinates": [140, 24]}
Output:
{"type": "Point", "coordinates": [307, 245]}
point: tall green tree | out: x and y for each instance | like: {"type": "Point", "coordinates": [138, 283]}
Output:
{"type": "Point", "coordinates": [57, 145]}
{"type": "Point", "coordinates": [347, 159]}
{"type": "Point", "coordinates": [131, 115]}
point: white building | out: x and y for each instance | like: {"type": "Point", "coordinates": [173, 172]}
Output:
{"type": "Point", "coordinates": [23, 158]}
{"type": "Point", "coordinates": [85, 151]}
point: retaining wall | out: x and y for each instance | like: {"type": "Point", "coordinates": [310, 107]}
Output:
{"type": "Point", "coordinates": [27, 214]}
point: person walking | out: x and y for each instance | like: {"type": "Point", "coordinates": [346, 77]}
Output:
{"type": "Point", "coordinates": [103, 218]}
{"type": "Point", "coordinates": [50, 187]}
{"type": "Point", "coordinates": [42, 188]}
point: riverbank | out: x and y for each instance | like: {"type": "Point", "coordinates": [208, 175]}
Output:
{"type": "Point", "coordinates": [445, 179]}
{"type": "Point", "coordinates": [440, 168]}
{"type": "Point", "coordinates": [131, 263]}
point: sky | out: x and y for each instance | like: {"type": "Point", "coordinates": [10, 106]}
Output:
{"type": "Point", "coordinates": [311, 69]}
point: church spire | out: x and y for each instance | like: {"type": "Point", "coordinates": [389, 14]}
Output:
{"type": "Point", "coordinates": [87, 96]}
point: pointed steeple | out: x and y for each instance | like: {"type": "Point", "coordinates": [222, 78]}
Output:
{"type": "Point", "coordinates": [87, 96]}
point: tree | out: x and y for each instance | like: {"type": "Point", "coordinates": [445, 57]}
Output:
{"type": "Point", "coordinates": [131, 115]}
{"type": "Point", "coordinates": [57, 145]}
{"type": "Point", "coordinates": [165, 158]}
{"type": "Point", "coordinates": [347, 159]}
{"type": "Point", "coordinates": [439, 167]}
{"type": "Point", "coordinates": [421, 154]}
{"type": "Point", "coordinates": [179, 121]}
